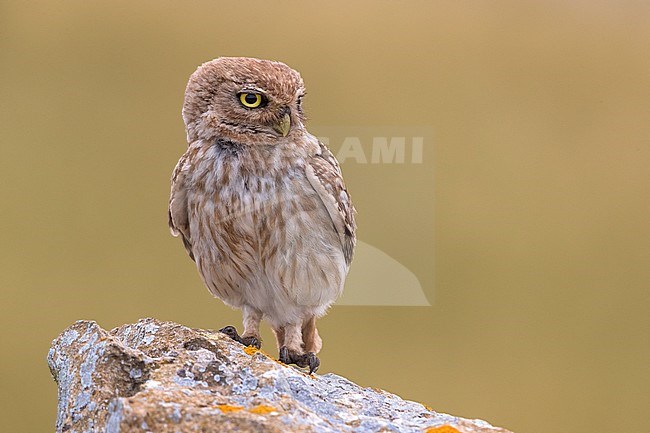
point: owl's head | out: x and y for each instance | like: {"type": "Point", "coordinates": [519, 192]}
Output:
{"type": "Point", "coordinates": [244, 100]}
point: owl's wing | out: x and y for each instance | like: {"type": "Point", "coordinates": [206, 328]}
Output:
{"type": "Point", "coordinates": [324, 175]}
{"type": "Point", "coordinates": [178, 216]}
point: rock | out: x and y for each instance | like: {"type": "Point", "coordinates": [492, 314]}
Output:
{"type": "Point", "coordinates": [161, 377]}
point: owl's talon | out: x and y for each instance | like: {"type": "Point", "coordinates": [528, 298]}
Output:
{"type": "Point", "coordinates": [283, 356]}
{"type": "Point", "coordinates": [312, 362]}
{"type": "Point", "coordinates": [252, 341]}
{"type": "Point", "coordinates": [303, 360]}
{"type": "Point", "coordinates": [231, 332]}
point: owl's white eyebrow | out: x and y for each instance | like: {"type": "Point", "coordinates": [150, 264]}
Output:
{"type": "Point", "coordinates": [252, 90]}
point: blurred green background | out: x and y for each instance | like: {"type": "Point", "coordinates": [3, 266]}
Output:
{"type": "Point", "coordinates": [527, 224]}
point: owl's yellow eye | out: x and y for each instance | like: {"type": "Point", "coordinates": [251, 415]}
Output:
{"type": "Point", "coordinates": [250, 100]}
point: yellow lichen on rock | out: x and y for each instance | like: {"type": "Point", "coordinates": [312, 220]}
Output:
{"type": "Point", "coordinates": [226, 408]}
{"type": "Point", "coordinates": [442, 429]}
{"type": "Point", "coordinates": [262, 409]}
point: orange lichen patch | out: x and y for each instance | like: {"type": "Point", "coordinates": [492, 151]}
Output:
{"type": "Point", "coordinates": [429, 408]}
{"type": "Point", "coordinates": [252, 350]}
{"type": "Point", "coordinates": [262, 409]}
{"type": "Point", "coordinates": [442, 429]}
{"type": "Point", "coordinates": [226, 408]}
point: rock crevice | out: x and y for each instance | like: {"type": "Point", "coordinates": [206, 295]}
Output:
{"type": "Point", "coordinates": [154, 376]}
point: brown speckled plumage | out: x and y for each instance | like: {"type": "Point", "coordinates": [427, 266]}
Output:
{"type": "Point", "coordinates": [263, 211]}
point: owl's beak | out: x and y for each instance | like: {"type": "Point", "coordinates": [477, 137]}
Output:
{"type": "Point", "coordinates": [284, 125]}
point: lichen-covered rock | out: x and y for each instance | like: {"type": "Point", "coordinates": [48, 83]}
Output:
{"type": "Point", "coordinates": [162, 377]}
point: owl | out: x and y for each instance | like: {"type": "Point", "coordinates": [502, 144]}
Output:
{"type": "Point", "coordinates": [260, 203]}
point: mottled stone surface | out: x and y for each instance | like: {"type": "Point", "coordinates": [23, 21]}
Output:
{"type": "Point", "coordinates": [155, 376]}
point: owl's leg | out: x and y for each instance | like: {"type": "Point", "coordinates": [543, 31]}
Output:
{"type": "Point", "coordinates": [252, 319]}
{"type": "Point", "coordinates": [293, 338]}
{"type": "Point", "coordinates": [279, 335]}
{"type": "Point", "coordinates": [251, 335]}
{"type": "Point", "coordinates": [311, 340]}
{"type": "Point", "coordinates": [292, 349]}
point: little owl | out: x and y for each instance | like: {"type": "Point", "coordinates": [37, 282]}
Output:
{"type": "Point", "coordinates": [260, 203]}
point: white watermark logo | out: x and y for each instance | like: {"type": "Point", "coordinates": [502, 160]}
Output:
{"type": "Point", "coordinates": [376, 145]}
{"type": "Point", "coordinates": [376, 278]}
{"type": "Point", "coordinates": [383, 150]}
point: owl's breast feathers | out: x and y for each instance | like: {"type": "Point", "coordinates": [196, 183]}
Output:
{"type": "Point", "coordinates": [225, 172]}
